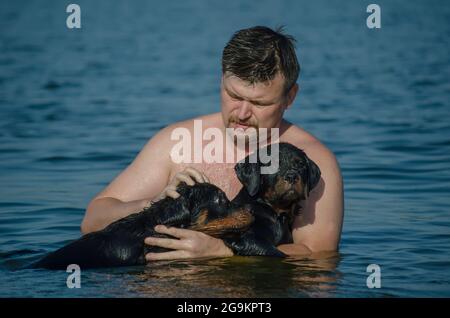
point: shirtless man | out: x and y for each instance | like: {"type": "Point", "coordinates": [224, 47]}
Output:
{"type": "Point", "coordinates": [259, 74]}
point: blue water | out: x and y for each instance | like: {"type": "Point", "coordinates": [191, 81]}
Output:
{"type": "Point", "coordinates": [76, 106]}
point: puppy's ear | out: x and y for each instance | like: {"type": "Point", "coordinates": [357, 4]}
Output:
{"type": "Point", "coordinates": [313, 176]}
{"type": "Point", "coordinates": [250, 176]}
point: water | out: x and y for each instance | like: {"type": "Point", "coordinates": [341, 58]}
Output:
{"type": "Point", "coordinates": [76, 106]}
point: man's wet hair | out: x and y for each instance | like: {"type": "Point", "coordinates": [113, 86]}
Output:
{"type": "Point", "coordinates": [257, 54]}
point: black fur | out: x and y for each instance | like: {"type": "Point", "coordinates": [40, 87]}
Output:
{"type": "Point", "coordinates": [269, 215]}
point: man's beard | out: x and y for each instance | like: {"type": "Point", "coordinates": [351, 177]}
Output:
{"type": "Point", "coordinates": [240, 137]}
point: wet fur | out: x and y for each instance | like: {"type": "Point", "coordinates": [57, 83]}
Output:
{"type": "Point", "coordinates": [254, 223]}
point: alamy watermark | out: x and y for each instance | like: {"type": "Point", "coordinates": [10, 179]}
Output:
{"type": "Point", "coordinates": [74, 279]}
{"type": "Point", "coordinates": [221, 148]}
{"type": "Point", "coordinates": [374, 19]}
{"type": "Point", "coordinates": [73, 21]}
{"type": "Point", "coordinates": [374, 279]}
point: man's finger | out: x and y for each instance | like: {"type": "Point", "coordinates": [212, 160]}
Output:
{"type": "Point", "coordinates": [172, 244]}
{"type": "Point", "coordinates": [167, 256]}
{"type": "Point", "coordinates": [185, 178]}
{"type": "Point", "coordinates": [172, 193]}
{"type": "Point", "coordinates": [196, 174]}
{"type": "Point", "coordinates": [173, 231]}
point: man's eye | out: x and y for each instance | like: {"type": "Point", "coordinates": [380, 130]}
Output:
{"type": "Point", "coordinates": [260, 106]}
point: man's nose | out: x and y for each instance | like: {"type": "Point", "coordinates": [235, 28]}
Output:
{"type": "Point", "coordinates": [245, 111]}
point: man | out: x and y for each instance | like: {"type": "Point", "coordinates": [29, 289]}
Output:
{"type": "Point", "coordinates": [259, 74]}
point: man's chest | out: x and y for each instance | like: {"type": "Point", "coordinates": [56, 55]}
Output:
{"type": "Point", "coordinates": [219, 174]}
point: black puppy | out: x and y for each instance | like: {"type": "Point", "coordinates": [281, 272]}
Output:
{"type": "Point", "coordinates": [258, 219]}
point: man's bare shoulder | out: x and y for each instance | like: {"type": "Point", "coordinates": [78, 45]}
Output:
{"type": "Point", "coordinates": [209, 120]}
{"type": "Point", "coordinates": [306, 141]}
{"type": "Point", "coordinates": [320, 224]}
{"type": "Point", "coordinates": [162, 143]}
{"type": "Point", "coordinates": [164, 136]}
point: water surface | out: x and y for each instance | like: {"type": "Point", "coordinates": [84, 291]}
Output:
{"type": "Point", "coordinates": [76, 106]}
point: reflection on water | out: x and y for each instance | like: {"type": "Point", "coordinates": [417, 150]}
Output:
{"type": "Point", "coordinates": [225, 277]}
{"type": "Point", "coordinates": [240, 277]}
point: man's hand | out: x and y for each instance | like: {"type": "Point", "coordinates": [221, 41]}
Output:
{"type": "Point", "coordinates": [190, 244]}
{"type": "Point", "coordinates": [189, 176]}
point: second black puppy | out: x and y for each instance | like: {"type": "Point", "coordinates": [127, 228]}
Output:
{"type": "Point", "coordinates": [258, 219]}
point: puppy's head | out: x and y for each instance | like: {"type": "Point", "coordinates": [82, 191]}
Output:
{"type": "Point", "coordinates": [296, 176]}
{"type": "Point", "coordinates": [201, 196]}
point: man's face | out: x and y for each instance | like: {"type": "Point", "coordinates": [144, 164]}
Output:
{"type": "Point", "coordinates": [259, 105]}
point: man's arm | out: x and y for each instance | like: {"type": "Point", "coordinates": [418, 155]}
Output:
{"type": "Point", "coordinates": [318, 228]}
{"type": "Point", "coordinates": [188, 244]}
{"type": "Point", "coordinates": [143, 180]}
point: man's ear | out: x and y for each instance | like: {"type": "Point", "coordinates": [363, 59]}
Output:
{"type": "Point", "coordinates": [250, 175]}
{"type": "Point", "coordinates": [313, 176]}
{"type": "Point", "coordinates": [291, 95]}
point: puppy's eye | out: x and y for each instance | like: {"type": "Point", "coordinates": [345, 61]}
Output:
{"type": "Point", "coordinates": [222, 200]}
{"type": "Point", "coordinates": [298, 163]}
{"type": "Point", "coordinates": [291, 176]}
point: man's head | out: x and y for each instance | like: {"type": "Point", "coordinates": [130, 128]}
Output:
{"type": "Point", "coordinates": [259, 74]}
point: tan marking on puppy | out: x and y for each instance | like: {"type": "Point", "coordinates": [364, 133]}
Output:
{"type": "Point", "coordinates": [300, 188]}
{"type": "Point", "coordinates": [238, 221]}
{"type": "Point", "coordinates": [274, 194]}
{"type": "Point", "coordinates": [202, 216]}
